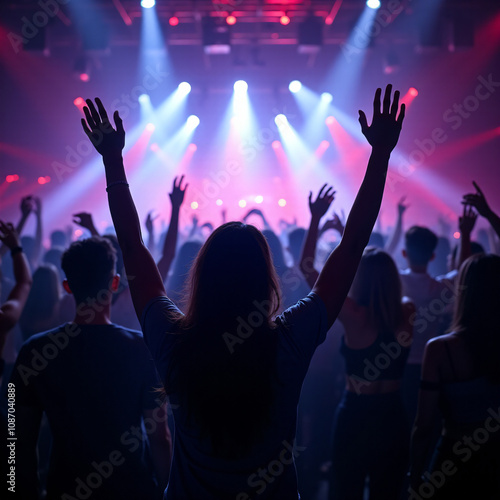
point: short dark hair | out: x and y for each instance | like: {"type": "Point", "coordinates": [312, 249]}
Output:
{"type": "Point", "coordinates": [420, 243]}
{"type": "Point", "coordinates": [89, 266]}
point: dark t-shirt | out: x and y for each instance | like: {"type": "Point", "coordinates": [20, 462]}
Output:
{"type": "Point", "coordinates": [268, 472]}
{"type": "Point", "coordinates": [94, 383]}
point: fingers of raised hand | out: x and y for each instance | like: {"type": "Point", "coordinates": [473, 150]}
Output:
{"type": "Point", "coordinates": [387, 99]}
{"type": "Point", "coordinates": [363, 122]}
{"type": "Point", "coordinates": [376, 102]}
{"type": "Point", "coordinates": [401, 116]}
{"type": "Point", "coordinates": [102, 111]}
{"type": "Point", "coordinates": [395, 104]}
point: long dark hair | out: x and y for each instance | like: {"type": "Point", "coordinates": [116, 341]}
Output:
{"type": "Point", "coordinates": [224, 361]}
{"type": "Point", "coordinates": [477, 305]}
{"type": "Point", "coordinates": [377, 287]}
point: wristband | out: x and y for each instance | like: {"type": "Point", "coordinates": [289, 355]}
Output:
{"type": "Point", "coordinates": [116, 183]}
{"type": "Point", "coordinates": [15, 250]}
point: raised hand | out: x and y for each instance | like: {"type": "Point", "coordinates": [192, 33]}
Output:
{"type": "Point", "coordinates": [401, 206]}
{"type": "Point", "coordinates": [149, 221]}
{"type": "Point", "coordinates": [107, 141]}
{"type": "Point", "coordinates": [383, 133]}
{"type": "Point", "coordinates": [323, 201]}
{"type": "Point", "coordinates": [8, 235]}
{"type": "Point", "coordinates": [195, 220]}
{"type": "Point", "coordinates": [177, 194]}
{"type": "Point", "coordinates": [467, 220]}
{"type": "Point", "coordinates": [334, 223]}
{"type": "Point", "coordinates": [27, 205]}
{"type": "Point", "coordinates": [84, 219]}
{"type": "Point", "coordinates": [37, 205]}
{"type": "Point", "coordinates": [253, 211]}
{"type": "Point", "coordinates": [478, 201]}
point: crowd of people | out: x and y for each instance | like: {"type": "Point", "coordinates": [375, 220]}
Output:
{"type": "Point", "coordinates": [223, 362]}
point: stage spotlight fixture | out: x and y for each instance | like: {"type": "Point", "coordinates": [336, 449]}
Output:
{"type": "Point", "coordinates": [147, 4]}
{"type": "Point", "coordinates": [215, 35]}
{"type": "Point", "coordinates": [184, 87]}
{"type": "Point", "coordinates": [240, 86]}
{"type": "Point", "coordinates": [230, 20]}
{"type": "Point", "coordinates": [330, 120]}
{"type": "Point", "coordinates": [282, 202]}
{"type": "Point", "coordinates": [82, 68]}
{"type": "Point", "coordinates": [12, 178]}
{"type": "Point", "coordinates": [310, 35]}
{"type": "Point", "coordinates": [193, 121]}
{"type": "Point", "coordinates": [173, 21]}
{"type": "Point", "coordinates": [276, 144]}
{"type": "Point", "coordinates": [150, 127]}
{"type": "Point", "coordinates": [192, 147]}
{"type": "Point", "coordinates": [219, 202]}
{"type": "Point", "coordinates": [242, 203]}
{"type": "Point", "coordinates": [259, 199]}
{"type": "Point", "coordinates": [413, 91]}
{"type": "Point", "coordinates": [295, 86]}
{"type": "Point", "coordinates": [79, 102]}
{"type": "Point", "coordinates": [194, 205]}
{"type": "Point", "coordinates": [326, 97]}
{"type": "Point", "coordinates": [329, 20]}
{"type": "Point", "coordinates": [280, 120]}
{"type": "Point", "coordinates": [143, 98]}
{"type": "Point", "coordinates": [373, 4]}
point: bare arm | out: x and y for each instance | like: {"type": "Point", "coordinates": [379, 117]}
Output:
{"type": "Point", "coordinates": [478, 201]}
{"type": "Point", "coordinates": [465, 225]}
{"type": "Point", "coordinates": [395, 238]}
{"type": "Point", "coordinates": [147, 283]}
{"type": "Point", "coordinates": [26, 209]}
{"type": "Point", "coordinates": [160, 441]}
{"type": "Point", "coordinates": [336, 277]}
{"type": "Point", "coordinates": [318, 208]}
{"type": "Point", "coordinates": [11, 310]}
{"type": "Point", "coordinates": [38, 231]}
{"type": "Point", "coordinates": [170, 244]}
{"type": "Point", "coordinates": [151, 232]}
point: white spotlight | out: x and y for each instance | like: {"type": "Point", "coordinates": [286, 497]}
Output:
{"type": "Point", "coordinates": [193, 121]}
{"type": "Point", "coordinates": [144, 98]}
{"type": "Point", "coordinates": [240, 86]}
{"type": "Point", "coordinates": [373, 4]}
{"type": "Point", "coordinates": [295, 86]}
{"type": "Point", "coordinates": [280, 120]}
{"type": "Point", "coordinates": [184, 87]}
{"type": "Point", "coordinates": [147, 4]}
{"type": "Point", "coordinates": [326, 97]}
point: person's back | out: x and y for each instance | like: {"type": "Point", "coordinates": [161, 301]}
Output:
{"type": "Point", "coordinates": [461, 383]}
{"type": "Point", "coordinates": [96, 383]}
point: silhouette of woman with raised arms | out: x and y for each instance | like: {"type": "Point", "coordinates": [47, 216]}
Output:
{"type": "Point", "coordinates": [233, 371]}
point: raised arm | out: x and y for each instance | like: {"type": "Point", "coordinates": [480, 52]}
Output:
{"type": "Point", "coordinates": [318, 208]}
{"type": "Point", "coordinates": [170, 244]}
{"type": "Point", "coordinates": [336, 277]}
{"type": "Point", "coordinates": [395, 238]}
{"type": "Point", "coordinates": [478, 201]}
{"type": "Point", "coordinates": [465, 224]}
{"type": "Point", "coordinates": [151, 232]}
{"type": "Point", "coordinates": [86, 221]}
{"type": "Point", "coordinates": [258, 212]}
{"type": "Point", "coordinates": [39, 230]}
{"type": "Point", "coordinates": [139, 264]}
{"type": "Point", "coordinates": [26, 209]}
{"type": "Point", "coordinates": [11, 310]}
